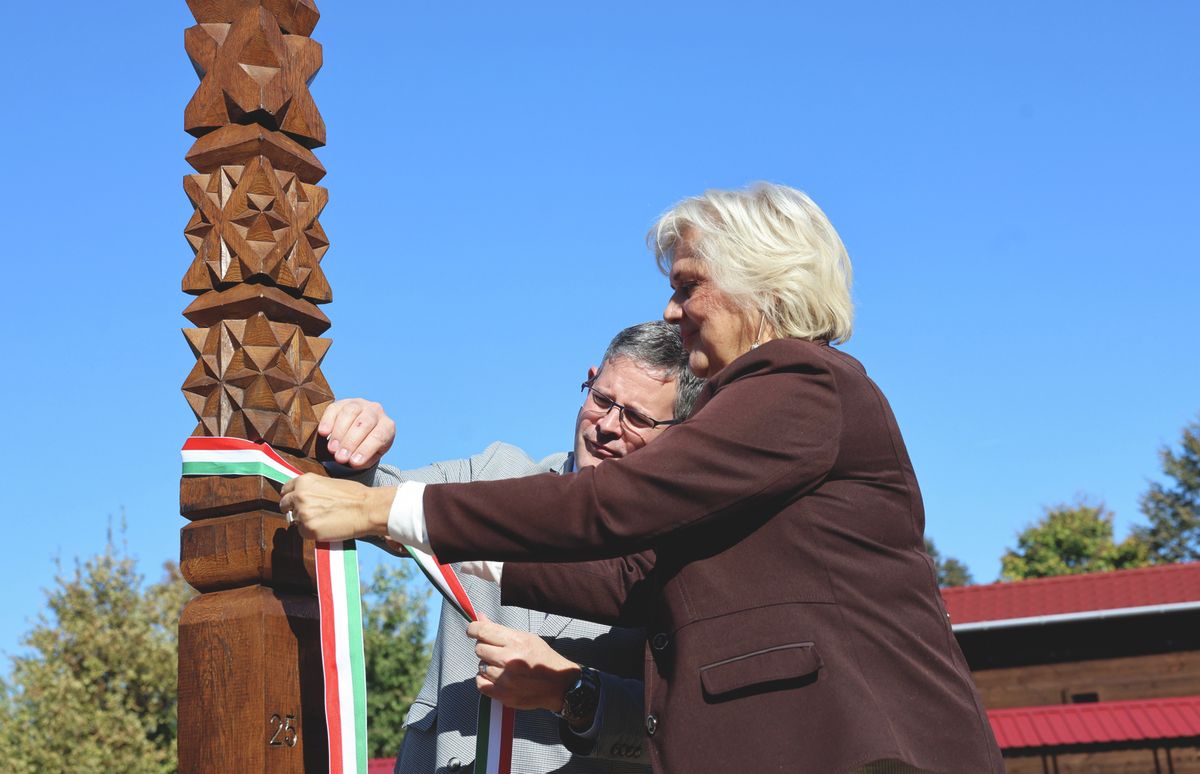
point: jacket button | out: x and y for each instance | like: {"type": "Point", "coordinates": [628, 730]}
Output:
{"type": "Point", "coordinates": [454, 764]}
{"type": "Point", "coordinates": [651, 724]}
{"type": "Point", "coordinates": [660, 641]}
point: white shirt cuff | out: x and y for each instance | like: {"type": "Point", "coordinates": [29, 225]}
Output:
{"type": "Point", "coordinates": [484, 570]}
{"type": "Point", "coordinates": [406, 519]}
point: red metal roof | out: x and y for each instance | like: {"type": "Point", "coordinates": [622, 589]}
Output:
{"type": "Point", "coordinates": [1119, 589]}
{"type": "Point", "coordinates": [1065, 725]}
{"type": "Point", "coordinates": [1099, 723]}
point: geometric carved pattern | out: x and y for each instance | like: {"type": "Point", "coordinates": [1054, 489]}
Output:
{"type": "Point", "coordinates": [259, 380]}
{"type": "Point", "coordinates": [235, 143]}
{"type": "Point", "coordinates": [252, 73]}
{"type": "Point", "coordinates": [255, 224]}
{"type": "Point", "coordinates": [295, 17]}
{"type": "Point", "coordinates": [249, 649]}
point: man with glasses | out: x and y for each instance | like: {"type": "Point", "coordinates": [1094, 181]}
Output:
{"type": "Point", "coordinates": [571, 668]}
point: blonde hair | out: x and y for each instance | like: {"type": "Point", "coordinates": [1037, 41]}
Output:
{"type": "Point", "coordinates": [771, 249]}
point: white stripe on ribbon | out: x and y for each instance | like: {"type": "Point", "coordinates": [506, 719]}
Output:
{"type": "Point", "coordinates": [345, 672]}
{"type": "Point", "coordinates": [233, 456]}
{"type": "Point", "coordinates": [499, 724]}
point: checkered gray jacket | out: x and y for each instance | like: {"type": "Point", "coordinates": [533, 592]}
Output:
{"type": "Point", "coordinates": [441, 723]}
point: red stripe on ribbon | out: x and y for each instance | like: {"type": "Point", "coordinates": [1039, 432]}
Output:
{"type": "Point", "coordinates": [328, 661]}
{"type": "Point", "coordinates": [210, 443]}
{"type": "Point", "coordinates": [456, 588]}
{"type": "Point", "coordinates": [508, 717]}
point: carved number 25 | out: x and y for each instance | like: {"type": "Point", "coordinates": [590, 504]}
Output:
{"type": "Point", "coordinates": [283, 731]}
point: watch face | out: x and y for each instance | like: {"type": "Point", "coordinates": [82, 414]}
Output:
{"type": "Point", "coordinates": [580, 702]}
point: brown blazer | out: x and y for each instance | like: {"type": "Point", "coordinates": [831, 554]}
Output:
{"type": "Point", "coordinates": [792, 617]}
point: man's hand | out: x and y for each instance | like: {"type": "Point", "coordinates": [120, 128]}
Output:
{"type": "Point", "coordinates": [523, 672]}
{"type": "Point", "coordinates": [359, 433]}
{"type": "Point", "coordinates": [334, 509]}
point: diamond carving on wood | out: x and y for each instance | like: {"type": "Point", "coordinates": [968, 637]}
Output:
{"type": "Point", "coordinates": [253, 223]}
{"type": "Point", "coordinates": [259, 380]}
{"type": "Point", "coordinates": [252, 73]}
{"type": "Point", "coordinates": [296, 17]}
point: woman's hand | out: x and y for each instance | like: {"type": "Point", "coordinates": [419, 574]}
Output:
{"type": "Point", "coordinates": [332, 509]}
{"type": "Point", "coordinates": [359, 433]}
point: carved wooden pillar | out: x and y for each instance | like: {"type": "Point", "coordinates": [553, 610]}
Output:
{"type": "Point", "coordinates": [250, 690]}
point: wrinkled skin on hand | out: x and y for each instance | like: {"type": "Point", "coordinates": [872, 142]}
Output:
{"type": "Point", "coordinates": [332, 509]}
{"type": "Point", "coordinates": [358, 432]}
{"type": "Point", "coordinates": [523, 672]}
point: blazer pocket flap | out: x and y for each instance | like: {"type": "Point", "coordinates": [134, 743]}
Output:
{"type": "Point", "coordinates": [770, 665]}
{"type": "Point", "coordinates": [420, 716]}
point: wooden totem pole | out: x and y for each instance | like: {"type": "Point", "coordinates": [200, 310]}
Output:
{"type": "Point", "coordinates": [250, 689]}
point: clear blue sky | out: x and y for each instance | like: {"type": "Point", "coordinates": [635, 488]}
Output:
{"type": "Point", "coordinates": [1018, 186]}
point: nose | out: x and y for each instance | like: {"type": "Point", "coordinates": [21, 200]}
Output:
{"type": "Point", "coordinates": [610, 422]}
{"type": "Point", "coordinates": [674, 312]}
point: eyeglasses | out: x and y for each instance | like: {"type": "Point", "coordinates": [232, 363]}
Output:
{"type": "Point", "coordinates": [632, 418]}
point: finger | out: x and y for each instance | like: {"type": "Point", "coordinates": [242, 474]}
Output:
{"type": "Point", "coordinates": [360, 430]}
{"type": "Point", "coordinates": [342, 422]}
{"type": "Point", "coordinates": [375, 444]}
{"type": "Point", "coordinates": [288, 486]}
{"type": "Point", "coordinates": [474, 626]}
{"type": "Point", "coordinates": [329, 417]}
{"type": "Point", "coordinates": [485, 686]}
{"type": "Point", "coordinates": [491, 633]}
{"type": "Point", "coordinates": [492, 654]}
{"type": "Point", "coordinates": [286, 503]}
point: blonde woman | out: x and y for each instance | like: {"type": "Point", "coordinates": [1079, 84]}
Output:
{"type": "Point", "coordinates": [793, 620]}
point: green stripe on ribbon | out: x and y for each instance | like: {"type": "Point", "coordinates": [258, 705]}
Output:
{"type": "Point", "coordinates": [235, 469]}
{"type": "Point", "coordinates": [358, 671]}
{"type": "Point", "coordinates": [481, 732]}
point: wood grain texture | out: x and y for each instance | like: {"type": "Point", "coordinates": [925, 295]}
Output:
{"type": "Point", "coordinates": [246, 549]}
{"type": "Point", "coordinates": [251, 72]}
{"type": "Point", "coordinates": [241, 301]}
{"type": "Point", "coordinates": [235, 143]}
{"type": "Point", "coordinates": [248, 655]}
{"type": "Point", "coordinates": [204, 497]}
{"type": "Point", "coordinates": [253, 224]}
{"type": "Point", "coordinates": [260, 380]}
{"type": "Point", "coordinates": [297, 17]}
{"type": "Point", "coordinates": [1111, 679]}
{"type": "Point", "coordinates": [250, 679]}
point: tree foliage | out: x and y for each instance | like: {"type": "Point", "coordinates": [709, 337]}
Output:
{"type": "Point", "coordinates": [396, 652]}
{"type": "Point", "coordinates": [950, 571]}
{"type": "Point", "coordinates": [1173, 534]}
{"type": "Point", "coordinates": [96, 689]}
{"type": "Point", "coordinates": [1071, 539]}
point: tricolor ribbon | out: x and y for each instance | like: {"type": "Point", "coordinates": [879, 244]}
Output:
{"type": "Point", "coordinates": [340, 602]}
{"type": "Point", "coordinates": [338, 597]}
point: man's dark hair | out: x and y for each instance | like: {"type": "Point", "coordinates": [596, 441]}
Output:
{"type": "Point", "coordinates": [658, 346]}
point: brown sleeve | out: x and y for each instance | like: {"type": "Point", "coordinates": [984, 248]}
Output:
{"type": "Point", "coordinates": [763, 438]}
{"type": "Point", "coordinates": [607, 591]}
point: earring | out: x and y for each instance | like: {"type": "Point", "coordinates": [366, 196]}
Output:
{"type": "Point", "coordinates": [762, 322]}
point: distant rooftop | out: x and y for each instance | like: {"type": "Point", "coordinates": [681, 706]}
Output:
{"type": "Point", "coordinates": [1080, 725]}
{"type": "Point", "coordinates": [1162, 588]}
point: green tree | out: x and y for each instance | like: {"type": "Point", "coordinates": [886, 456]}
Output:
{"type": "Point", "coordinates": [396, 652]}
{"type": "Point", "coordinates": [1071, 539]}
{"type": "Point", "coordinates": [96, 689]}
{"type": "Point", "coordinates": [1173, 534]}
{"type": "Point", "coordinates": [950, 571]}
